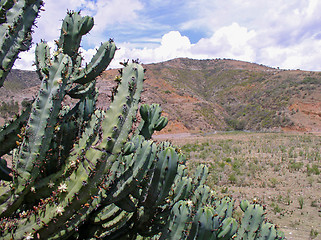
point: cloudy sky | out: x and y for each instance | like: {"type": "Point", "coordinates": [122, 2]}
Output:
{"type": "Point", "coordinates": [279, 33]}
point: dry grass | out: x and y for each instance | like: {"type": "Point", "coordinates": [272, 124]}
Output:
{"type": "Point", "coordinates": [281, 171]}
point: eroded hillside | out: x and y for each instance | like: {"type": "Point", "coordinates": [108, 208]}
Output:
{"type": "Point", "coordinates": [208, 95]}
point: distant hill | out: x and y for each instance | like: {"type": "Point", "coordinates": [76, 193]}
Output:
{"type": "Point", "coordinates": [218, 94]}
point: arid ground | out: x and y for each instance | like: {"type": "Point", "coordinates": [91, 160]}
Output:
{"type": "Point", "coordinates": [279, 170]}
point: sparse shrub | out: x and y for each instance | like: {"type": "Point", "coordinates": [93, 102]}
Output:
{"type": "Point", "coordinates": [228, 160]}
{"type": "Point", "coordinates": [8, 110]}
{"type": "Point", "coordinates": [301, 202]}
{"type": "Point", "coordinates": [314, 169]}
{"type": "Point", "coordinates": [235, 124]}
{"type": "Point", "coordinates": [273, 182]}
{"type": "Point", "coordinates": [311, 80]}
{"type": "Point", "coordinates": [295, 166]}
{"type": "Point", "coordinates": [232, 178]}
{"type": "Point", "coordinates": [288, 199]}
{"type": "Point", "coordinates": [314, 203]}
{"type": "Point", "coordinates": [313, 233]}
{"type": "Point", "coordinates": [276, 208]}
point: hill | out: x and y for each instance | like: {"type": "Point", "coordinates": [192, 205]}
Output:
{"type": "Point", "coordinates": [229, 94]}
{"type": "Point", "coordinates": [218, 94]}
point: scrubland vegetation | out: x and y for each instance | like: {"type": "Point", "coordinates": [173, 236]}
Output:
{"type": "Point", "coordinates": [279, 170]}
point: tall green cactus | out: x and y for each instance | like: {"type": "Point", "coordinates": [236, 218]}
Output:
{"type": "Point", "coordinates": [16, 20]}
{"type": "Point", "coordinates": [79, 172]}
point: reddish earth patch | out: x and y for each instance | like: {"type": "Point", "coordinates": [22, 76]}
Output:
{"type": "Point", "coordinates": [306, 116]}
{"type": "Point", "coordinates": [173, 127]}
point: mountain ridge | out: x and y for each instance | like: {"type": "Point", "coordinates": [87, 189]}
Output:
{"type": "Point", "coordinates": [219, 94]}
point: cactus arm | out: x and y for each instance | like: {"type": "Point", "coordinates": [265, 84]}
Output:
{"type": "Point", "coordinates": [70, 126]}
{"type": "Point", "coordinates": [267, 231]}
{"type": "Point", "coordinates": [202, 196]}
{"type": "Point", "coordinates": [10, 134]}
{"type": "Point", "coordinates": [223, 211]}
{"type": "Point", "coordinates": [53, 180]}
{"type": "Point", "coordinates": [42, 57]}
{"type": "Point", "coordinates": [43, 117]}
{"type": "Point", "coordinates": [183, 185]}
{"type": "Point", "coordinates": [98, 63]}
{"type": "Point", "coordinates": [227, 229]}
{"type": "Point", "coordinates": [123, 109]}
{"type": "Point", "coordinates": [127, 182]}
{"type": "Point", "coordinates": [182, 189]}
{"type": "Point", "coordinates": [5, 5]}
{"type": "Point", "coordinates": [180, 216]}
{"type": "Point", "coordinates": [224, 207]}
{"type": "Point", "coordinates": [80, 91]}
{"type": "Point", "coordinates": [15, 31]}
{"type": "Point", "coordinates": [200, 175]}
{"type": "Point", "coordinates": [73, 28]}
{"type": "Point", "coordinates": [151, 120]}
{"type": "Point", "coordinates": [39, 132]}
{"type": "Point", "coordinates": [110, 228]}
{"type": "Point", "coordinates": [171, 160]}
{"type": "Point", "coordinates": [204, 223]}
{"type": "Point", "coordinates": [251, 222]}
{"type": "Point", "coordinates": [164, 174]}
{"type": "Point", "coordinates": [157, 191]}
{"type": "Point", "coordinates": [104, 214]}
{"type": "Point", "coordinates": [244, 204]}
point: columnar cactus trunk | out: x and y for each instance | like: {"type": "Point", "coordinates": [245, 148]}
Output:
{"type": "Point", "coordinates": [81, 173]}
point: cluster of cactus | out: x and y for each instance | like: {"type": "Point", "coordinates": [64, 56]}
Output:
{"type": "Point", "coordinates": [79, 172]}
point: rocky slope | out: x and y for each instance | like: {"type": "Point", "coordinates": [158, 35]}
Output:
{"type": "Point", "coordinates": [209, 95]}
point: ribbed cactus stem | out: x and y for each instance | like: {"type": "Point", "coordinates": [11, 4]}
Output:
{"type": "Point", "coordinates": [42, 56]}
{"type": "Point", "coordinates": [130, 177]}
{"type": "Point", "coordinates": [164, 175]}
{"type": "Point", "coordinates": [251, 222]}
{"type": "Point", "coordinates": [39, 132]}
{"type": "Point", "coordinates": [181, 216]}
{"type": "Point", "coordinates": [73, 28]}
{"type": "Point", "coordinates": [151, 120]}
{"type": "Point", "coordinates": [98, 63]}
{"type": "Point", "coordinates": [11, 135]}
{"type": "Point", "coordinates": [17, 19]}
{"type": "Point", "coordinates": [98, 160]}
{"type": "Point", "coordinates": [4, 8]}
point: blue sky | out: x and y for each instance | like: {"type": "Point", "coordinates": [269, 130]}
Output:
{"type": "Point", "coordinates": [279, 33]}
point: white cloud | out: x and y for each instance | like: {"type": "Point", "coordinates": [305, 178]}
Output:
{"type": "Point", "coordinates": [275, 33]}
{"type": "Point", "coordinates": [299, 56]}
{"type": "Point", "coordinates": [172, 45]}
{"type": "Point", "coordinates": [231, 41]}
{"type": "Point", "coordinates": [113, 11]}
{"type": "Point", "coordinates": [49, 23]}
{"type": "Point", "coordinates": [234, 42]}
{"type": "Point", "coordinates": [26, 60]}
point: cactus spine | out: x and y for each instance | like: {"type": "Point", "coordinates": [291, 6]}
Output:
{"type": "Point", "coordinates": [81, 172]}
